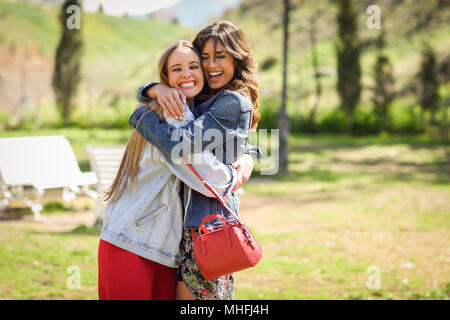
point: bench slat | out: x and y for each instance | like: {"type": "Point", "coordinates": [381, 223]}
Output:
{"type": "Point", "coordinates": [105, 161]}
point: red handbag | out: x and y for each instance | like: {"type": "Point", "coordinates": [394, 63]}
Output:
{"type": "Point", "coordinates": [227, 249]}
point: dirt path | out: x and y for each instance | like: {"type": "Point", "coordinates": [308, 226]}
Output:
{"type": "Point", "coordinates": [63, 222]}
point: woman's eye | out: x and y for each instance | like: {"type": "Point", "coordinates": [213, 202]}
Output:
{"type": "Point", "coordinates": [203, 58]}
{"type": "Point", "coordinates": [220, 57]}
{"type": "Point", "coordinates": [176, 70]}
{"type": "Point", "coordinates": [194, 67]}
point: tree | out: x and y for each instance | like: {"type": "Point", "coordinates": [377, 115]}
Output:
{"type": "Point", "coordinates": [384, 84]}
{"type": "Point", "coordinates": [348, 64]}
{"type": "Point", "coordinates": [67, 71]}
{"type": "Point", "coordinates": [283, 118]}
{"type": "Point", "coordinates": [429, 82]}
{"type": "Point", "coordinates": [312, 28]}
{"type": "Point", "coordinates": [444, 75]}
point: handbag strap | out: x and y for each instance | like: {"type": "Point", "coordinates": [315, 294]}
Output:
{"type": "Point", "coordinates": [213, 191]}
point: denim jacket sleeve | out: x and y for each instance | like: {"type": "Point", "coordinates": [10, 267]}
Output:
{"type": "Point", "coordinates": [140, 96]}
{"type": "Point", "coordinates": [222, 117]}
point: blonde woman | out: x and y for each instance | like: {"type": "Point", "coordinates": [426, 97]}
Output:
{"type": "Point", "coordinates": [139, 245]}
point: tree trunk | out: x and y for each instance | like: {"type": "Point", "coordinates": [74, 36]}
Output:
{"type": "Point", "coordinates": [348, 64]}
{"type": "Point", "coordinates": [283, 118]}
{"type": "Point", "coordinates": [67, 69]}
{"type": "Point", "coordinates": [315, 64]}
{"type": "Point", "coordinates": [445, 125]}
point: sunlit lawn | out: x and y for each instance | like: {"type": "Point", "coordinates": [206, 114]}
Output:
{"type": "Point", "coordinates": [352, 203]}
{"type": "Point", "coordinates": [348, 204]}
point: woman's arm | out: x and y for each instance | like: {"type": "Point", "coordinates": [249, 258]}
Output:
{"type": "Point", "coordinates": [222, 177]}
{"type": "Point", "coordinates": [143, 92]}
{"type": "Point", "coordinates": [219, 125]}
{"type": "Point", "coordinates": [244, 168]}
{"type": "Point", "coordinates": [169, 98]}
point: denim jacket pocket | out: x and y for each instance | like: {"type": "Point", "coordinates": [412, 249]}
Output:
{"type": "Point", "coordinates": [152, 215]}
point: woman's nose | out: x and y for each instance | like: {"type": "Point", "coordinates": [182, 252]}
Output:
{"type": "Point", "coordinates": [212, 62]}
{"type": "Point", "coordinates": [186, 72]}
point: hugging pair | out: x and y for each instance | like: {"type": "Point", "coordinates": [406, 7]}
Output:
{"type": "Point", "coordinates": [156, 204]}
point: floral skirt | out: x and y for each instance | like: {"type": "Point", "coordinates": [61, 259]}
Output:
{"type": "Point", "coordinates": [220, 288]}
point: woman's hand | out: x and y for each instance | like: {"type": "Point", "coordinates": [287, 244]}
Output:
{"type": "Point", "coordinates": [170, 99]}
{"type": "Point", "coordinates": [244, 168]}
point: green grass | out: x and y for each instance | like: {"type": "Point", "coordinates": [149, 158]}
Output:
{"type": "Point", "coordinates": [35, 264]}
{"type": "Point", "coordinates": [349, 203]}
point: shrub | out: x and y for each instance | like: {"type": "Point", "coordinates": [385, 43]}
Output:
{"type": "Point", "coordinates": [268, 108]}
{"type": "Point", "coordinates": [268, 63]}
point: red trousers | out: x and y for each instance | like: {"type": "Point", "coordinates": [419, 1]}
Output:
{"type": "Point", "coordinates": [123, 275]}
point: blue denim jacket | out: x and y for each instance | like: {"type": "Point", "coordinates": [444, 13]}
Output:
{"type": "Point", "coordinates": [228, 113]}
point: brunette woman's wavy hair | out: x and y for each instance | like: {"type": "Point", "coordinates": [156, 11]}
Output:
{"type": "Point", "coordinates": [233, 40]}
{"type": "Point", "coordinates": [129, 165]}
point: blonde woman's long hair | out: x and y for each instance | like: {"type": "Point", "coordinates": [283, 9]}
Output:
{"type": "Point", "coordinates": [129, 165]}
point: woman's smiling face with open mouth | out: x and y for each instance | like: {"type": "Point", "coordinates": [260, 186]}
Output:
{"type": "Point", "coordinates": [185, 72]}
{"type": "Point", "coordinates": [217, 64]}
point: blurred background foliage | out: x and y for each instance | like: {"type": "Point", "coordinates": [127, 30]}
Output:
{"type": "Point", "coordinates": [120, 54]}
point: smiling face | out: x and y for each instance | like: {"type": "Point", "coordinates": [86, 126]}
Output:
{"type": "Point", "coordinates": [217, 64]}
{"type": "Point", "coordinates": [184, 71]}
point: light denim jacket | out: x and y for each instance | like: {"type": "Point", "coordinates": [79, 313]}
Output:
{"type": "Point", "coordinates": [227, 112]}
{"type": "Point", "coordinates": [148, 219]}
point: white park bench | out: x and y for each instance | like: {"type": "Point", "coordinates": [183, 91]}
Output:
{"type": "Point", "coordinates": [105, 161]}
{"type": "Point", "coordinates": [43, 162]}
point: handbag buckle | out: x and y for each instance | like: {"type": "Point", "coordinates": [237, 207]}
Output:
{"type": "Point", "coordinates": [246, 234]}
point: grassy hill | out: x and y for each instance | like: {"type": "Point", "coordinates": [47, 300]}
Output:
{"type": "Point", "coordinates": [120, 53]}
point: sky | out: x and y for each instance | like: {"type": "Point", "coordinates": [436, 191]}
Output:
{"type": "Point", "coordinates": [131, 7]}
{"type": "Point", "coordinates": [191, 13]}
